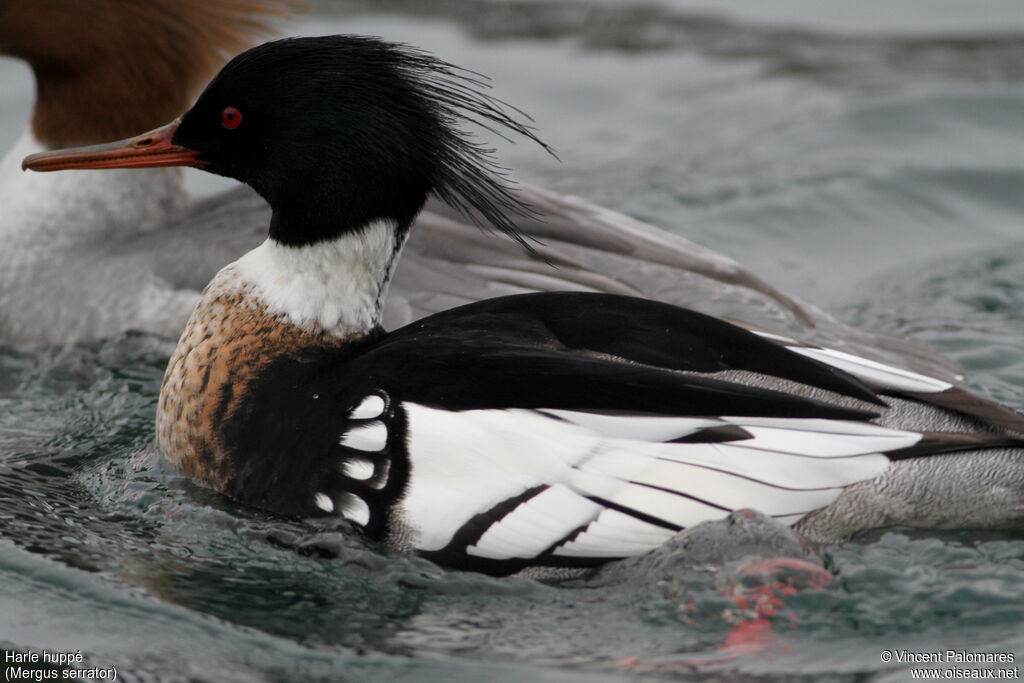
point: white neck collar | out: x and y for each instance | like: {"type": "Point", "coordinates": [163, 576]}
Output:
{"type": "Point", "coordinates": [336, 286]}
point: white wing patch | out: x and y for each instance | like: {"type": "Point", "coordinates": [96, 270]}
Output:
{"type": "Point", "coordinates": [577, 484]}
{"type": "Point", "coordinates": [465, 463]}
{"type": "Point", "coordinates": [874, 374]}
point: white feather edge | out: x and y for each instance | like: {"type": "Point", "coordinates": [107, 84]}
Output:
{"type": "Point", "coordinates": [875, 374]}
{"type": "Point", "coordinates": [465, 463]}
{"type": "Point", "coordinates": [372, 436]}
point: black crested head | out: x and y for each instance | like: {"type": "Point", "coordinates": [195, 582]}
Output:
{"type": "Point", "coordinates": [338, 131]}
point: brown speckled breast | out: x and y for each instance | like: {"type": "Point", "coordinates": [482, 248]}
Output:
{"type": "Point", "coordinates": [227, 341]}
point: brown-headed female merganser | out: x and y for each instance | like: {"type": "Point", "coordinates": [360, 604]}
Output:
{"type": "Point", "coordinates": [93, 255]}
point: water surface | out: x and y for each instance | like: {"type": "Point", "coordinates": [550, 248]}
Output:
{"type": "Point", "coordinates": [866, 157]}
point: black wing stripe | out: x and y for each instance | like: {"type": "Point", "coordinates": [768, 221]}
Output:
{"type": "Point", "coordinates": [681, 494]}
{"type": "Point", "coordinates": [719, 434]}
{"type": "Point", "coordinates": [476, 526]}
{"type": "Point", "coordinates": [643, 517]}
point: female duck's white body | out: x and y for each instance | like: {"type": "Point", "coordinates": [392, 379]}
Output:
{"type": "Point", "coordinates": [67, 271]}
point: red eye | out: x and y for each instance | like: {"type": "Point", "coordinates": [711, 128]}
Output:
{"type": "Point", "coordinates": [230, 117]}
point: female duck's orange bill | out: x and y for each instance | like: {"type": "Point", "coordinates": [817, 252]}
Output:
{"type": "Point", "coordinates": [149, 150]}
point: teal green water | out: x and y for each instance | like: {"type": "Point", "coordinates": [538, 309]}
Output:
{"type": "Point", "coordinates": [878, 175]}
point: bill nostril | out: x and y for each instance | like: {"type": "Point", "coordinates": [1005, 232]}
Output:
{"type": "Point", "coordinates": [144, 142]}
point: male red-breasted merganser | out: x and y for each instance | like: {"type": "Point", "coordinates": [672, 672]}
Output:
{"type": "Point", "coordinates": [90, 255]}
{"type": "Point", "coordinates": [552, 429]}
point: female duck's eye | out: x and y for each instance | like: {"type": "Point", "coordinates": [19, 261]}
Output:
{"type": "Point", "coordinates": [230, 117]}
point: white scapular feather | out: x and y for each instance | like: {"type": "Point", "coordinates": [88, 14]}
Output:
{"type": "Point", "coordinates": [358, 468]}
{"type": "Point", "coordinates": [782, 470]}
{"type": "Point", "coordinates": [370, 407]}
{"type": "Point", "coordinates": [642, 427]}
{"type": "Point", "coordinates": [798, 442]}
{"type": "Point", "coordinates": [720, 488]}
{"type": "Point", "coordinates": [874, 374]}
{"type": "Point", "coordinates": [324, 502]}
{"type": "Point", "coordinates": [819, 425]}
{"type": "Point", "coordinates": [356, 510]}
{"type": "Point", "coordinates": [372, 436]}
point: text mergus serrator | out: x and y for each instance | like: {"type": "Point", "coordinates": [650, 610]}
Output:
{"type": "Point", "coordinates": [553, 429]}
{"type": "Point", "coordinates": [91, 255]}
